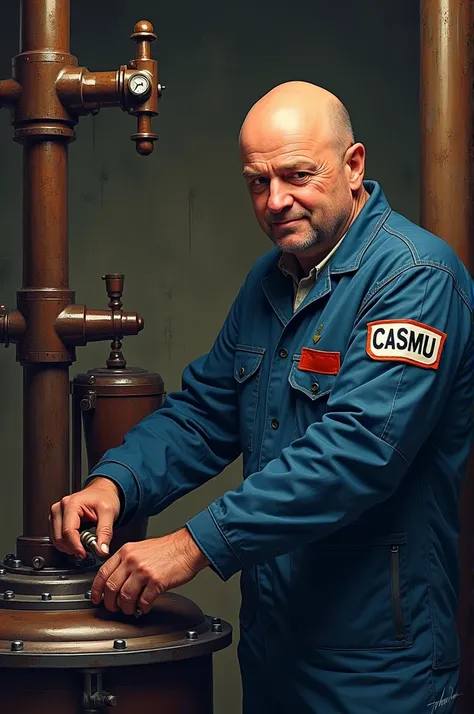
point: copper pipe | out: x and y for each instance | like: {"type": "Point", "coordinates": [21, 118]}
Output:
{"type": "Point", "coordinates": [446, 83]}
{"type": "Point", "coordinates": [82, 92]}
{"type": "Point", "coordinates": [46, 434]}
{"type": "Point", "coordinates": [44, 25]}
{"type": "Point", "coordinates": [446, 124]}
{"type": "Point", "coordinates": [10, 91]}
{"type": "Point", "coordinates": [45, 289]}
{"type": "Point", "coordinates": [45, 211]}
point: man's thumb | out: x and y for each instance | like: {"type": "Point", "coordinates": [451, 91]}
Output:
{"type": "Point", "coordinates": [104, 534]}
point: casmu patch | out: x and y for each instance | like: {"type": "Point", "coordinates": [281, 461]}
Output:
{"type": "Point", "coordinates": [405, 341]}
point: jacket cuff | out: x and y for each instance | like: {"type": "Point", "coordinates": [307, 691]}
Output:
{"type": "Point", "coordinates": [213, 543]}
{"type": "Point", "coordinates": [127, 484]}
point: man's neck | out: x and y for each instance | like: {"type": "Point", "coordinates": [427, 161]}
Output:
{"type": "Point", "coordinates": [316, 254]}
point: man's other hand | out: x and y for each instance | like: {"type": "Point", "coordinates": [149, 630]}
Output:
{"type": "Point", "coordinates": [139, 572]}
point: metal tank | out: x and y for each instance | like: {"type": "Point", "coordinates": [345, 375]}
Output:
{"type": "Point", "coordinates": [59, 652]}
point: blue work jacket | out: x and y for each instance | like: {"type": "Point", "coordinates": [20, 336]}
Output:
{"type": "Point", "coordinates": [353, 416]}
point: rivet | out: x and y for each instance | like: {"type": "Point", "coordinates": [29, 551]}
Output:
{"type": "Point", "coordinates": [315, 387]}
{"type": "Point", "coordinates": [16, 646]}
{"type": "Point", "coordinates": [120, 645]}
{"type": "Point", "coordinates": [217, 626]}
{"type": "Point", "coordinates": [88, 595]}
{"type": "Point", "coordinates": [8, 595]}
{"type": "Point", "coordinates": [192, 635]}
{"type": "Point", "coordinates": [91, 379]}
{"type": "Point", "coordinates": [2, 571]}
{"type": "Point", "coordinates": [16, 563]}
{"type": "Point", "coordinates": [46, 596]}
{"type": "Point", "coordinates": [38, 562]}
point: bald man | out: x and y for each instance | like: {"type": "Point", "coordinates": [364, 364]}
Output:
{"type": "Point", "coordinates": [343, 375]}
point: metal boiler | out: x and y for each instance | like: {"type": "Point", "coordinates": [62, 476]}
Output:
{"type": "Point", "coordinates": [59, 652]}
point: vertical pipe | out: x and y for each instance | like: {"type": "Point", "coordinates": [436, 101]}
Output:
{"type": "Point", "coordinates": [44, 25]}
{"type": "Point", "coordinates": [446, 85]}
{"type": "Point", "coordinates": [46, 439]}
{"type": "Point", "coordinates": [446, 121]}
{"type": "Point", "coordinates": [45, 213]}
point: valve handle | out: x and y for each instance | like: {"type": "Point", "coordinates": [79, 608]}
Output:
{"type": "Point", "coordinates": [143, 84]}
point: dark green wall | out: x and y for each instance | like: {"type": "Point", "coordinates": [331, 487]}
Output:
{"type": "Point", "coordinates": [179, 223]}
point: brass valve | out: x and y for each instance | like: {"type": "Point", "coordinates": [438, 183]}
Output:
{"type": "Point", "coordinates": [78, 325]}
{"type": "Point", "coordinates": [133, 87]}
{"type": "Point", "coordinates": [142, 85]}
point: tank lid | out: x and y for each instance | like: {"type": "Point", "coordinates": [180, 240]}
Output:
{"type": "Point", "coordinates": [176, 628]}
{"type": "Point", "coordinates": [121, 377]}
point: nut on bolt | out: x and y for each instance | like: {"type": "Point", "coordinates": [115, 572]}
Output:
{"type": "Point", "coordinates": [17, 646]}
{"type": "Point", "coordinates": [216, 624]}
{"type": "Point", "coordinates": [38, 562]}
{"type": "Point", "coordinates": [120, 645]}
{"type": "Point", "coordinates": [192, 635]}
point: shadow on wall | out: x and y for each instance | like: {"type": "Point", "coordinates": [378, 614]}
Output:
{"type": "Point", "coordinates": [179, 223]}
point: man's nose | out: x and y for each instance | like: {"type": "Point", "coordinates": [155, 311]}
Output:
{"type": "Point", "coordinates": [279, 198]}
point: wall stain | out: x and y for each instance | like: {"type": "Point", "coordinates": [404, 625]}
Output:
{"type": "Point", "coordinates": [168, 326]}
{"type": "Point", "coordinates": [104, 177]}
{"type": "Point", "coordinates": [191, 196]}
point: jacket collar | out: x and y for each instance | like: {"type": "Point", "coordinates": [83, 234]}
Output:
{"type": "Point", "coordinates": [362, 231]}
{"type": "Point", "coordinates": [346, 259]}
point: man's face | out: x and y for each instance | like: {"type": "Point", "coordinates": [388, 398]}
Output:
{"type": "Point", "coordinates": [299, 186]}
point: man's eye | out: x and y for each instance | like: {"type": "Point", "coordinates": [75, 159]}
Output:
{"type": "Point", "coordinates": [259, 181]}
{"type": "Point", "coordinates": [299, 175]}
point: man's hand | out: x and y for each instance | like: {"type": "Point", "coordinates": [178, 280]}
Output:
{"type": "Point", "coordinates": [98, 503]}
{"type": "Point", "coordinates": [139, 572]}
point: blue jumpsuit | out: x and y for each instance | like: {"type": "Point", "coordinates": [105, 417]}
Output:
{"type": "Point", "coordinates": [353, 415]}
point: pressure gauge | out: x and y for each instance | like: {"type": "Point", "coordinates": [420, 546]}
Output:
{"type": "Point", "coordinates": [139, 84]}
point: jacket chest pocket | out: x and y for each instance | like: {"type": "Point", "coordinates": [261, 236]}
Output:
{"type": "Point", "coordinates": [310, 393]}
{"type": "Point", "coordinates": [247, 368]}
{"type": "Point", "coordinates": [356, 596]}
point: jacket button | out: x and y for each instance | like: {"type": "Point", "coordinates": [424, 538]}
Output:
{"type": "Point", "coordinates": [241, 371]}
{"type": "Point", "coordinates": [275, 423]}
{"type": "Point", "coordinates": [315, 387]}
{"type": "Point", "coordinates": [283, 353]}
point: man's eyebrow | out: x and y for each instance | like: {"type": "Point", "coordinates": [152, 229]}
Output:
{"type": "Point", "coordinates": [299, 165]}
{"type": "Point", "coordinates": [248, 172]}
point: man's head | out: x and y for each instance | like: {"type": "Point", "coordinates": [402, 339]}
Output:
{"type": "Point", "coordinates": [304, 171]}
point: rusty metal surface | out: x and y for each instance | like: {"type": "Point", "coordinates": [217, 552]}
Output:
{"type": "Point", "coordinates": [446, 88]}
{"type": "Point", "coordinates": [85, 638]}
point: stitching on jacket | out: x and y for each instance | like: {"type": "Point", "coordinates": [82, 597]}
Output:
{"type": "Point", "coordinates": [224, 537]}
{"type": "Point", "coordinates": [356, 264]}
{"type": "Point", "coordinates": [387, 423]}
{"type": "Point", "coordinates": [405, 240]}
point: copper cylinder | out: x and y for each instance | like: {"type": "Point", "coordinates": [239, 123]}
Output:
{"type": "Point", "coordinates": [44, 25]}
{"type": "Point", "coordinates": [112, 401]}
{"type": "Point", "coordinates": [446, 86]}
{"type": "Point", "coordinates": [446, 122]}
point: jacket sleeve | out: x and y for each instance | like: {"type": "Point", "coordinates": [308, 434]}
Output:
{"type": "Point", "coordinates": [192, 437]}
{"type": "Point", "coordinates": [378, 416]}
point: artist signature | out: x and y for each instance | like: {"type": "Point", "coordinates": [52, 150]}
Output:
{"type": "Point", "coordinates": [446, 697]}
